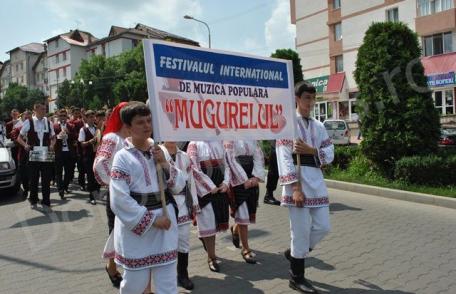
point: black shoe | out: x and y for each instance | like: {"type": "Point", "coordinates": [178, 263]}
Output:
{"type": "Point", "coordinates": [271, 200]}
{"type": "Point", "coordinates": [182, 273]}
{"type": "Point", "coordinates": [83, 188]}
{"type": "Point", "coordinates": [302, 285]}
{"type": "Point", "coordinates": [213, 266]}
{"type": "Point", "coordinates": [93, 202]}
{"type": "Point", "coordinates": [287, 254]}
{"type": "Point", "coordinates": [67, 191]}
{"type": "Point", "coordinates": [33, 206]}
{"type": "Point", "coordinates": [25, 194]}
{"type": "Point", "coordinates": [61, 194]}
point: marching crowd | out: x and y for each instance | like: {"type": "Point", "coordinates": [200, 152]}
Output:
{"type": "Point", "coordinates": [157, 191]}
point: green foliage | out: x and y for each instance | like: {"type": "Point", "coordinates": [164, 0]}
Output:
{"type": "Point", "coordinates": [292, 55]}
{"type": "Point", "coordinates": [21, 98]}
{"type": "Point", "coordinates": [343, 155]}
{"type": "Point", "coordinates": [398, 119]}
{"type": "Point", "coordinates": [432, 170]}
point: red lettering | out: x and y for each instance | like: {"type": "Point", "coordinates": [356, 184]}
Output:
{"type": "Point", "coordinates": [243, 114]}
{"type": "Point", "coordinates": [199, 124]}
{"type": "Point", "coordinates": [262, 114]}
{"type": "Point", "coordinates": [207, 113]}
{"type": "Point", "coordinates": [252, 125]}
{"type": "Point", "coordinates": [181, 112]}
{"type": "Point", "coordinates": [232, 115]}
{"type": "Point", "coordinates": [218, 116]}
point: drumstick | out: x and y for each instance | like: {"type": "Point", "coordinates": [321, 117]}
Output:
{"type": "Point", "coordinates": [161, 185]}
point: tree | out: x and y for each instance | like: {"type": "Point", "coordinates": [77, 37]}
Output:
{"type": "Point", "coordinates": [21, 98]}
{"type": "Point", "coordinates": [290, 54]}
{"type": "Point", "coordinates": [396, 109]}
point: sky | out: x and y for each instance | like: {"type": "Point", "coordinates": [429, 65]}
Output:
{"type": "Point", "coordinates": [256, 27]}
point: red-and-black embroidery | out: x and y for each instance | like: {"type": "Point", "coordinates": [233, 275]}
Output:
{"type": "Point", "coordinates": [143, 224]}
{"type": "Point", "coordinates": [117, 174]}
{"type": "Point", "coordinates": [151, 260]}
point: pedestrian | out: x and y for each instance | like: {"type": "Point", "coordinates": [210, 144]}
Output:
{"type": "Point", "coordinates": [37, 134]}
{"type": "Point", "coordinates": [112, 142]}
{"type": "Point", "coordinates": [187, 204]}
{"type": "Point", "coordinates": [304, 190]}
{"type": "Point", "coordinates": [88, 141]}
{"type": "Point", "coordinates": [145, 238]}
{"type": "Point", "coordinates": [246, 162]}
{"type": "Point", "coordinates": [65, 152]}
{"type": "Point", "coordinates": [273, 177]}
{"type": "Point", "coordinates": [22, 157]}
{"type": "Point", "coordinates": [78, 123]}
{"type": "Point", "coordinates": [212, 177]}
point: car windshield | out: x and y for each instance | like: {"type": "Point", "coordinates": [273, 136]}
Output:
{"type": "Point", "coordinates": [335, 125]}
{"type": "Point", "coordinates": [449, 132]}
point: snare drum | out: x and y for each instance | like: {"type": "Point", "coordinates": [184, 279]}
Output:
{"type": "Point", "coordinates": [41, 155]}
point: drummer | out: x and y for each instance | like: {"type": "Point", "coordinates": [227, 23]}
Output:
{"type": "Point", "coordinates": [37, 134]}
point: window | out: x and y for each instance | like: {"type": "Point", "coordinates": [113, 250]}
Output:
{"type": "Point", "coordinates": [449, 102]}
{"type": "Point", "coordinates": [339, 63]}
{"type": "Point", "coordinates": [22, 65]}
{"type": "Point", "coordinates": [64, 56]}
{"type": "Point", "coordinates": [444, 101]}
{"type": "Point", "coordinates": [57, 59]}
{"type": "Point", "coordinates": [438, 44]}
{"type": "Point", "coordinates": [428, 7]}
{"type": "Point", "coordinates": [336, 4]}
{"type": "Point", "coordinates": [338, 31]}
{"type": "Point", "coordinates": [392, 14]}
{"type": "Point", "coordinates": [64, 72]}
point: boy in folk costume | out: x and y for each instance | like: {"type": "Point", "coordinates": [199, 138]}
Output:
{"type": "Point", "coordinates": [212, 176]}
{"type": "Point", "coordinates": [112, 142]}
{"type": "Point", "coordinates": [304, 190]}
{"type": "Point", "coordinates": [88, 140]}
{"type": "Point", "coordinates": [246, 162]}
{"type": "Point", "coordinates": [145, 239]}
{"type": "Point", "coordinates": [187, 203]}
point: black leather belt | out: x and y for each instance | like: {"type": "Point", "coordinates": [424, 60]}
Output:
{"type": "Point", "coordinates": [151, 200]}
{"type": "Point", "coordinates": [308, 160]}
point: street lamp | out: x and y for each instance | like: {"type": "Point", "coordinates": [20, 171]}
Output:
{"type": "Point", "coordinates": [207, 26]}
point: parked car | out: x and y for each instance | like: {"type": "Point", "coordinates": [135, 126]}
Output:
{"type": "Point", "coordinates": [447, 136]}
{"type": "Point", "coordinates": [8, 174]}
{"type": "Point", "coordinates": [338, 131]}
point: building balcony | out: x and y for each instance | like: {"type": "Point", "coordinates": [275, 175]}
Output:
{"type": "Point", "coordinates": [436, 23]}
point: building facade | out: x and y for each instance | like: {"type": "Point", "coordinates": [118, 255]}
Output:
{"type": "Point", "coordinates": [40, 71]}
{"type": "Point", "coordinates": [22, 60]}
{"type": "Point", "coordinates": [5, 78]}
{"type": "Point", "coordinates": [330, 32]}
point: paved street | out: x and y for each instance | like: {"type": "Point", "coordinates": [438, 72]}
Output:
{"type": "Point", "coordinates": [376, 246]}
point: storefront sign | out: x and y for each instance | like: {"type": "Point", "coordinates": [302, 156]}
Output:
{"type": "Point", "coordinates": [441, 80]}
{"type": "Point", "coordinates": [320, 83]}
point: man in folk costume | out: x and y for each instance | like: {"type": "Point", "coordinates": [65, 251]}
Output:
{"type": "Point", "coordinates": [40, 136]}
{"type": "Point", "coordinates": [65, 152]}
{"type": "Point", "coordinates": [88, 141]}
{"type": "Point", "coordinates": [113, 141]}
{"type": "Point", "coordinates": [145, 239]}
{"type": "Point", "coordinates": [212, 176]}
{"type": "Point", "coordinates": [78, 123]}
{"type": "Point", "coordinates": [304, 190]}
{"type": "Point", "coordinates": [246, 162]}
{"type": "Point", "coordinates": [21, 155]}
{"type": "Point", "coordinates": [15, 122]}
{"type": "Point", "coordinates": [187, 203]}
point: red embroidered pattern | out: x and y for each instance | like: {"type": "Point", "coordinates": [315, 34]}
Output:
{"type": "Point", "coordinates": [144, 166]}
{"type": "Point", "coordinates": [207, 233]}
{"type": "Point", "coordinates": [284, 142]}
{"type": "Point", "coordinates": [242, 221]}
{"type": "Point", "coordinates": [172, 175]}
{"type": "Point", "coordinates": [160, 258]}
{"type": "Point", "coordinates": [191, 149]}
{"type": "Point", "coordinates": [322, 156]}
{"type": "Point", "coordinates": [326, 143]}
{"type": "Point", "coordinates": [143, 224]}
{"type": "Point", "coordinates": [308, 201]}
{"type": "Point", "coordinates": [288, 178]}
{"type": "Point", "coordinates": [117, 174]}
{"type": "Point", "coordinates": [184, 219]}
{"type": "Point", "coordinates": [199, 179]}
{"type": "Point", "coordinates": [106, 149]}
{"type": "Point", "coordinates": [110, 254]}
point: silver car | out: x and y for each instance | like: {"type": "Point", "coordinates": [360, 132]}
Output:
{"type": "Point", "coordinates": [338, 131]}
{"type": "Point", "coordinates": [8, 173]}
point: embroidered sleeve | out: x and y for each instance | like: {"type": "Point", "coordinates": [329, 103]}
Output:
{"type": "Point", "coordinates": [103, 161]}
{"type": "Point", "coordinates": [203, 183]}
{"type": "Point", "coordinates": [176, 180]}
{"type": "Point", "coordinates": [237, 174]}
{"type": "Point", "coordinates": [258, 163]}
{"type": "Point", "coordinates": [326, 149]}
{"type": "Point", "coordinates": [286, 167]}
{"type": "Point", "coordinates": [144, 224]}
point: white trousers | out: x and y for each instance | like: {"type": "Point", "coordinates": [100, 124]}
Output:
{"type": "Point", "coordinates": [183, 245]}
{"type": "Point", "coordinates": [308, 226]}
{"type": "Point", "coordinates": [164, 279]}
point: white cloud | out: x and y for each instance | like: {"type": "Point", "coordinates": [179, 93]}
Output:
{"type": "Point", "coordinates": [278, 31]}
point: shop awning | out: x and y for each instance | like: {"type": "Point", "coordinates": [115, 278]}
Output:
{"type": "Point", "coordinates": [439, 64]}
{"type": "Point", "coordinates": [335, 83]}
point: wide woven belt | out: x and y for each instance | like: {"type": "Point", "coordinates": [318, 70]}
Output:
{"type": "Point", "coordinates": [150, 200]}
{"type": "Point", "coordinates": [244, 159]}
{"type": "Point", "coordinates": [308, 160]}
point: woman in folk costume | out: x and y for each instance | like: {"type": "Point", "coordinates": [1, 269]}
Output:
{"type": "Point", "coordinates": [113, 138]}
{"type": "Point", "coordinates": [145, 236]}
{"type": "Point", "coordinates": [246, 162]}
{"type": "Point", "coordinates": [212, 177]}
{"type": "Point", "coordinates": [187, 203]}
{"type": "Point", "coordinates": [304, 190]}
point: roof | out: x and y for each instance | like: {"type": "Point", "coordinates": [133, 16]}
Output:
{"type": "Point", "coordinates": [5, 65]}
{"type": "Point", "coordinates": [159, 34]}
{"type": "Point", "coordinates": [335, 83]}
{"type": "Point", "coordinates": [36, 48]}
{"type": "Point", "coordinates": [75, 37]}
{"type": "Point", "coordinates": [118, 32]}
{"type": "Point", "coordinates": [439, 64]}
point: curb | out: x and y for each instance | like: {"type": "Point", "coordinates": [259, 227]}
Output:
{"type": "Point", "coordinates": [428, 199]}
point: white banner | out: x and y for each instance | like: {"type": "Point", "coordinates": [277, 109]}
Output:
{"type": "Point", "coordinates": [205, 94]}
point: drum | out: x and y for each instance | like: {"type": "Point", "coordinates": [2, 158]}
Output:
{"type": "Point", "coordinates": [41, 155]}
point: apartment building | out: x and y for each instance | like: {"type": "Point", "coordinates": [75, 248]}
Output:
{"type": "Point", "coordinates": [22, 59]}
{"type": "Point", "coordinates": [330, 32]}
{"type": "Point", "coordinates": [5, 78]}
{"type": "Point", "coordinates": [40, 71]}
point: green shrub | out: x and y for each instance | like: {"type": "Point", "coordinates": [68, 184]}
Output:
{"type": "Point", "coordinates": [343, 155]}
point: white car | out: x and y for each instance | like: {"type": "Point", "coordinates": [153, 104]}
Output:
{"type": "Point", "coordinates": [8, 173]}
{"type": "Point", "coordinates": [338, 131]}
